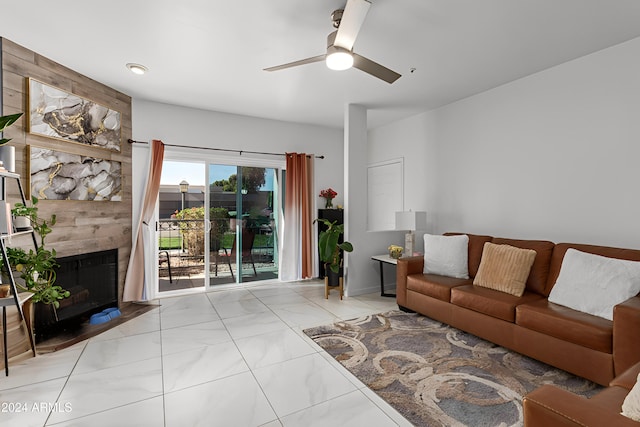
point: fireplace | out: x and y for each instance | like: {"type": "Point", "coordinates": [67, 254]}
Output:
{"type": "Point", "coordinates": [92, 280]}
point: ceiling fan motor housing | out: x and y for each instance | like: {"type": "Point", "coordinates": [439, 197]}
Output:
{"type": "Point", "coordinates": [336, 17]}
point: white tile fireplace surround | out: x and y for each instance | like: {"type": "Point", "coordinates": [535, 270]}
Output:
{"type": "Point", "coordinates": [224, 358]}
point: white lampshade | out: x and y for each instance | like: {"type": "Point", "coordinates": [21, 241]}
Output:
{"type": "Point", "coordinates": [411, 220]}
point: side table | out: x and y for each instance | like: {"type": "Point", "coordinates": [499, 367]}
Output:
{"type": "Point", "coordinates": [384, 259]}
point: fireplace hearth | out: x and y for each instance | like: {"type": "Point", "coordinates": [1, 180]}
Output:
{"type": "Point", "coordinates": [92, 280]}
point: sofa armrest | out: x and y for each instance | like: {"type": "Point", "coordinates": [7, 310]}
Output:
{"type": "Point", "coordinates": [628, 378]}
{"type": "Point", "coordinates": [551, 406]}
{"type": "Point", "coordinates": [626, 329]}
{"type": "Point", "coordinates": [405, 267]}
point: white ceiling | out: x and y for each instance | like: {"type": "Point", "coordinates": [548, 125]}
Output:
{"type": "Point", "coordinates": [209, 54]}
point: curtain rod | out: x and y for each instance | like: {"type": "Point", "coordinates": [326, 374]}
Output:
{"type": "Point", "coordinates": [131, 141]}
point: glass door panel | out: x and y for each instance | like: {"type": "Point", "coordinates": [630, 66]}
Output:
{"type": "Point", "coordinates": [243, 236]}
{"type": "Point", "coordinates": [223, 202]}
{"type": "Point", "coordinates": [181, 227]}
{"type": "Point", "coordinates": [259, 243]}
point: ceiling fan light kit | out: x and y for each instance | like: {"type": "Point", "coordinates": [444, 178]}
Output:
{"type": "Point", "coordinates": [340, 55]}
{"type": "Point", "coordinates": [338, 58]}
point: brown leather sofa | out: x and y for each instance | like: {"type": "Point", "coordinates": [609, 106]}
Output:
{"type": "Point", "coordinates": [551, 406]}
{"type": "Point", "coordinates": [588, 346]}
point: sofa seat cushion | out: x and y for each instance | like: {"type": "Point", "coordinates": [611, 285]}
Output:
{"type": "Point", "coordinates": [490, 302]}
{"type": "Point", "coordinates": [435, 286]}
{"type": "Point", "coordinates": [567, 324]}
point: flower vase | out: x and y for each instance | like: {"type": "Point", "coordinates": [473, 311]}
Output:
{"type": "Point", "coordinates": [328, 204]}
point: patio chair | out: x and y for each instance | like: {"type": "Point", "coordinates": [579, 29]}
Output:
{"type": "Point", "coordinates": [248, 238]}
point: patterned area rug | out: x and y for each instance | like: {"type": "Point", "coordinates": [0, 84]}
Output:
{"type": "Point", "coordinates": [436, 375]}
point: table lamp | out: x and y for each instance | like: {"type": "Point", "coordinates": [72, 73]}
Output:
{"type": "Point", "coordinates": [411, 221]}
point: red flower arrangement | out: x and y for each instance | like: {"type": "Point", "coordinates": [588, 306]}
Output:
{"type": "Point", "coordinates": [329, 194]}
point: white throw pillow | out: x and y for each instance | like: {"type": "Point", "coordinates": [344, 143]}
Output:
{"type": "Point", "coordinates": [631, 404]}
{"type": "Point", "coordinates": [594, 284]}
{"type": "Point", "coordinates": [446, 255]}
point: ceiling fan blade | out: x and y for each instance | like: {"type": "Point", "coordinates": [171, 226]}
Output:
{"type": "Point", "coordinates": [375, 69]}
{"type": "Point", "coordinates": [352, 18]}
{"type": "Point", "coordinates": [296, 63]}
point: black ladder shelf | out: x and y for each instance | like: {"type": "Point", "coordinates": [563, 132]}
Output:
{"type": "Point", "coordinates": [15, 298]}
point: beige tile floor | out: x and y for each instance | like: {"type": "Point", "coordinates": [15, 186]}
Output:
{"type": "Point", "coordinates": [234, 357]}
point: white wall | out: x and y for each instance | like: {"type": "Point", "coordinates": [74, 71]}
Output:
{"type": "Point", "coordinates": [187, 126]}
{"type": "Point", "coordinates": [413, 139]}
{"type": "Point", "coordinates": [361, 273]}
{"type": "Point", "coordinates": [550, 156]}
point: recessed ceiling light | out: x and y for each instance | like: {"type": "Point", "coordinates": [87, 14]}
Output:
{"type": "Point", "coordinates": [137, 68]}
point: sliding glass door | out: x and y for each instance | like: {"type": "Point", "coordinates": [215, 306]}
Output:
{"type": "Point", "coordinates": [217, 224]}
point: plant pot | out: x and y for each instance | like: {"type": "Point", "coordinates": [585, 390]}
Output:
{"type": "Point", "coordinates": [8, 157]}
{"type": "Point", "coordinates": [22, 223]}
{"type": "Point", "coordinates": [333, 278]}
{"type": "Point", "coordinates": [45, 317]}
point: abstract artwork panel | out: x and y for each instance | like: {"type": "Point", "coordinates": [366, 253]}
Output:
{"type": "Point", "coordinates": [56, 175]}
{"type": "Point", "coordinates": [62, 115]}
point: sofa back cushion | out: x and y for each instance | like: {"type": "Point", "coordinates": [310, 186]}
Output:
{"type": "Point", "coordinates": [476, 244]}
{"type": "Point", "coordinates": [537, 280]}
{"type": "Point", "coordinates": [561, 248]}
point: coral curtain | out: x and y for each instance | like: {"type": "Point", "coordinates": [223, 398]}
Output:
{"type": "Point", "coordinates": [296, 252]}
{"type": "Point", "coordinates": [142, 263]}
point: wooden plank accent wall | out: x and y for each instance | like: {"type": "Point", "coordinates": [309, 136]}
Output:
{"type": "Point", "coordinates": [83, 226]}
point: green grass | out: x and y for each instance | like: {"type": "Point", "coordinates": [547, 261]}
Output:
{"type": "Point", "coordinates": [176, 241]}
{"type": "Point", "coordinates": [170, 242]}
{"type": "Point", "coordinates": [260, 241]}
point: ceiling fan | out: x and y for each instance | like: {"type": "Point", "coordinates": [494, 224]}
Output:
{"type": "Point", "coordinates": [340, 55]}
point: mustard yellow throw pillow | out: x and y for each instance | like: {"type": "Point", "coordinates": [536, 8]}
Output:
{"type": "Point", "coordinates": [504, 268]}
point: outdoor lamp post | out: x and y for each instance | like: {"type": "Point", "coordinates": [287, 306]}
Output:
{"type": "Point", "coordinates": [184, 188]}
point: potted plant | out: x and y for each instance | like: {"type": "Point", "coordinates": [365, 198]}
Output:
{"type": "Point", "coordinates": [37, 268]}
{"type": "Point", "coordinates": [329, 248]}
{"type": "Point", "coordinates": [328, 195]}
{"type": "Point", "coordinates": [24, 216]}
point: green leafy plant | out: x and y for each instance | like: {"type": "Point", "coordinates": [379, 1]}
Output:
{"type": "Point", "coordinates": [40, 225]}
{"type": "Point", "coordinates": [328, 246]}
{"type": "Point", "coordinates": [37, 268]}
{"type": "Point", "coordinates": [191, 224]}
{"type": "Point", "coordinates": [5, 122]}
